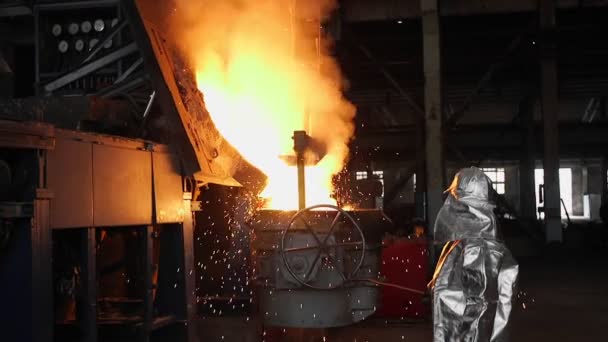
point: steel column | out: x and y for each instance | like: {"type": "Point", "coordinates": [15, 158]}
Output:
{"type": "Point", "coordinates": [550, 108]}
{"type": "Point", "coordinates": [90, 67]}
{"type": "Point", "coordinates": [189, 274]}
{"type": "Point", "coordinates": [42, 268]}
{"type": "Point", "coordinates": [604, 174]}
{"type": "Point", "coordinates": [87, 310]}
{"type": "Point", "coordinates": [527, 192]}
{"type": "Point", "coordinates": [148, 236]}
{"type": "Point", "coordinates": [433, 107]}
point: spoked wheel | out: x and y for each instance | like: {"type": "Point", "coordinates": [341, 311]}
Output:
{"type": "Point", "coordinates": [325, 246]}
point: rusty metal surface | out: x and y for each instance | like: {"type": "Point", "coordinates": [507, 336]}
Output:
{"type": "Point", "coordinates": [122, 186]}
{"type": "Point", "coordinates": [192, 133]}
{"type": "Point", "coordinates": [102, 180]}
{"type": "Point", "coordinates": [168, 195]}
{"type": "Point", "coordinates": [64, 112]}
{"type": "Point", "coordinates": [111, 140]}
{"type": "Point", "coordinates": [26, 135]}
{"type": "Point", "coordinates": [70, 176]}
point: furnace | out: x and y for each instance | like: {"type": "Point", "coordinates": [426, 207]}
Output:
{"type": "Point", "coordinates": [316, 267]}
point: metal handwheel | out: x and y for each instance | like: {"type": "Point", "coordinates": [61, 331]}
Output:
{"type": "Point", "coordinates": [324, 246]}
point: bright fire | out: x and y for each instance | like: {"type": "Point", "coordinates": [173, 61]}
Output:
{"type": "Point", "coordinates": [263, 75]}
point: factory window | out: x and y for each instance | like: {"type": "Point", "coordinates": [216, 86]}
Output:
{"type": "Point", "coordinates": [565, 190]}
{"type": "Point", "coordinates": [380, 176]}
{"type": "Point", "coordinates": [497, 175]}
{"type": "Point", "coordinates": [359, 175]}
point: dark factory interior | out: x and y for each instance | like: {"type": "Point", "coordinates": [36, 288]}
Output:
{"type": "Point", "coordinates": [303, 170]}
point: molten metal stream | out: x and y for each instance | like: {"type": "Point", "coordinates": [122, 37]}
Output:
{"type": "Point", "coordinates": [263, 75]}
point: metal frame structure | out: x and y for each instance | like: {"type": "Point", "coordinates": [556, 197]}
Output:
{"type": "Point", "coordinates": [129, 82]}
{"type": "Point", "coordinates": [66, 168]}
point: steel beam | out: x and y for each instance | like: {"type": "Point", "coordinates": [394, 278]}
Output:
{"type": "Point", "coordinates": [433, 108]}
{"type": "Point", "coordinates": [91, 67]}
{"type": "Point", "coordinates": [484, 80]}
{"type": "Point", "coordinates": [123, 87]}
{"type": "Point", "coordinates": [550, 108]}
{"type": "Point", "coordinates": [65, 5]}
{"type": "Point", "coordinates": [107, 38]}
{"type": "Point", "coordinates": [130, 70]}
{"type": "Point", "coordinates": [418, 111]}
{"type": "Point", "coordinates": [494, 142]}
{"type": "Point", "coordinates": [366, 10]}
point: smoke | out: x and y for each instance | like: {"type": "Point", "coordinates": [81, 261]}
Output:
{"type": "Point", "coordinates": [264, 73]}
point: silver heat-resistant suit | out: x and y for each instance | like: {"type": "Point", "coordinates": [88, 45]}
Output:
{"type": "Point", "coordinates": [475, 280]}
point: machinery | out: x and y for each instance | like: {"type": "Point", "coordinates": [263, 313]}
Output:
{"type": "Point", "coordinates": [70, 199]}
{"type": "Point", "coordinates": [316, 267]}
{"type": "Point", "coordinates": [96, 230]}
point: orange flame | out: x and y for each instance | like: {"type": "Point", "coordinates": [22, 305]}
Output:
{"type": "Point", "coordinates": [263, 75]}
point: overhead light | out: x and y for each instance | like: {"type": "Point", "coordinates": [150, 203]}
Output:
{"type": "Point", "coordinates": [99, 25]}
{"type": "Point", "coordinates": [93, 42]}
{"type": "Point", "coordinates": [56, 30]}
{"type": "Point", "coordinates": [79, 45]}
{"type": "Point", "coordinates": [399, 21]}
{"type": "Point", "coordinates": [114, 22]}
{"type": "Point", "coordinates": [86, 26]}
{"type": "Point", "coordinates": [63, 46]}
{"type": "Point", "coordinates": [73, 28]}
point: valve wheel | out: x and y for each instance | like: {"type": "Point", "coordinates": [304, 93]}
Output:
{"type": "Point", "coordinates": [323, 246]}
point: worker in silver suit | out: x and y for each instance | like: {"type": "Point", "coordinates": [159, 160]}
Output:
{"type": "Point", "coordinates": [475, 279]}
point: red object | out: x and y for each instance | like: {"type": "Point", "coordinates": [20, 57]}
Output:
{"type": "Point", "coordinates": [404, 263]}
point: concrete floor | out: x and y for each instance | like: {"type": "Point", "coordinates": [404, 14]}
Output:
{"type": "Point", "coordinates": [563, 297]}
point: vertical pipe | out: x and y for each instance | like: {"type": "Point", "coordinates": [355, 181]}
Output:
{"type": "Point", "coordinates": [300, 142]}
{"type": "Point", "coordinates": [433, 108]}
{"type": "Point", "coordinates": [550, 108]}
{"type": "Point", "coordinates": [301, 181]}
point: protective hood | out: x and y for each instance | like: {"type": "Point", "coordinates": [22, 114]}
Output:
{"type": "Point", "coordinates": [467, 212]}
